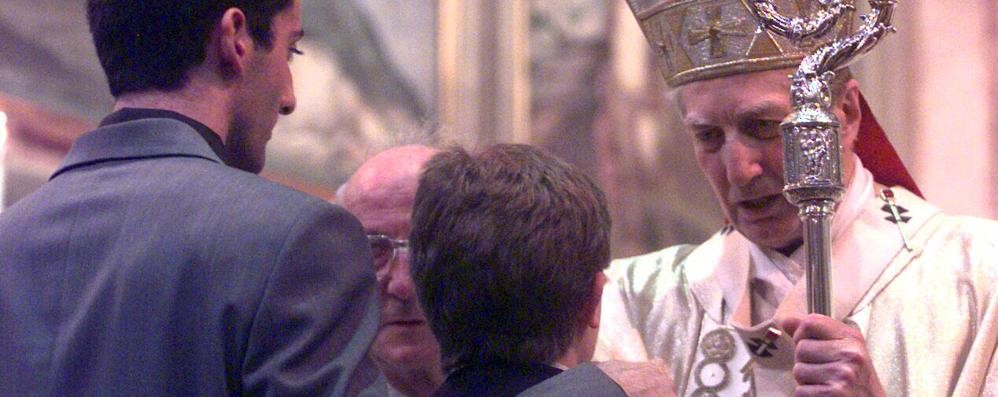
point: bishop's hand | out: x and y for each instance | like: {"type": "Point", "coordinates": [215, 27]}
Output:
{"type": "Point", "coordinates": [830, 358]}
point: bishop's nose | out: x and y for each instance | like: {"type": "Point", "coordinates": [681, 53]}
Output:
{"type": "Point", "coordinates": [742, 162]}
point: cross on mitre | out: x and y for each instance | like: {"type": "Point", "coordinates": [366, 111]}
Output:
{"type": "Point", "coordinates": [714, 32]}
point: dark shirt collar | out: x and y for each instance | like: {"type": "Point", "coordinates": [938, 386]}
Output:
{"type": "Point", "coordinates": [494, 378]}
{"type": "Point", "coordinates": [131, 114]}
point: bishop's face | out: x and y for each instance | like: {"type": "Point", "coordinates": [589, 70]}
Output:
{"type": "Point", "coordinates": [735, 124]}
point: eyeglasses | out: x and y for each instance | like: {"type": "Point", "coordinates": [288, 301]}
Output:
{"type": "Point", "coordinates": [385, 249]}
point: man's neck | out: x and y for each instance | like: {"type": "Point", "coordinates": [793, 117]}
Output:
{"type": "Point", "coordinates": [789, 249]}
{"type": "Point", "coordinates": [848, 172]}
{"type": "Point", "coordinates": [415, 383]}
{"type": "Point", "coordinates": [568, 360]}
{"type": "Point", "coordinates": [208, 107]}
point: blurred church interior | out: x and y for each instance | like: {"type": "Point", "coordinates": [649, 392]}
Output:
{"type": "Point", "coordinates": [575, 77]}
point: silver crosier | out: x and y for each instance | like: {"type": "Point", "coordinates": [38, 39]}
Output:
{"type": "Point", "coordinates": [811, 148]}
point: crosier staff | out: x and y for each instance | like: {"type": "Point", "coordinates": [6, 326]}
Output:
{"type": "Point", "coordinates": [811, 148]}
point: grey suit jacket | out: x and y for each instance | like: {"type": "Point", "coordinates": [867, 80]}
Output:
{"type": "Point", "coordinates": [146, 267]}
{"type": "Point", "coordinates": [584, 380]}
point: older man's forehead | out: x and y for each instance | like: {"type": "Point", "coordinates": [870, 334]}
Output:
{"type": "Point", "coordinates": [382, 176]}
{"type": "Point", "coordinates": [384, 212]}
{"type": "Point", "coordinates": [388, 188]}
{"type": "Point", "coordinates": [744, 92]}
{"type": "Point", "coordinates": [397, 193]}
{"type": "Point", "coordinates": [393, 166]}
{"type": "Point", "coordinates": [382, 191]}
{"type": "Point", "coordinates": [382, 208]}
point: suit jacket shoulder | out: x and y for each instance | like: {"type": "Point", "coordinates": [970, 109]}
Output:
{"type": "Point", "coordinates": [151, 268]}
{"type": "Point", "coordinates": [585, 380]}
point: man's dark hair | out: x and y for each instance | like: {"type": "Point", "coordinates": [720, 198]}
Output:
{"type": "Point", "coordinates": [152, 44]}
{"type": "Point", "coordinates": [506, 246]}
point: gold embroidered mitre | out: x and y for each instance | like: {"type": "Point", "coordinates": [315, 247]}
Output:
{"type": "Point", "coordinates": [704, 39]}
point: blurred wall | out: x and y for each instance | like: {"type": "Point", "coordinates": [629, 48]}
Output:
{"type": "Point", "coordinates": [573, 76]}
{"type": "Point", "coordinates": [934, 87]}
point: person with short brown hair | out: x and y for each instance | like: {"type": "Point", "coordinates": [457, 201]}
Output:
{"type": "Point", "coordinates": [508, 247]}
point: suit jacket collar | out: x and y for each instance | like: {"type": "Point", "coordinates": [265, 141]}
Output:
{"type": "Point", "coordinates": [137, 139]}
{"type": "Point", "coordinates": [495, 379]}
{"type": "Point", "coordinates": [132, 114]}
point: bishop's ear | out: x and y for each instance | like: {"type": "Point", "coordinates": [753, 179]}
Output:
{"type": "Point", "coordinates": [851, 114]}
{"type": "Point", "coordinates": [232, 42]}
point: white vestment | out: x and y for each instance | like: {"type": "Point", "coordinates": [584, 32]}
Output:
{"type": "Point", "coordinates": [929, 313]}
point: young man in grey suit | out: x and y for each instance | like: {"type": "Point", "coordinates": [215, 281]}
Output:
{"type": "Point", "coordinates": [154, 262]}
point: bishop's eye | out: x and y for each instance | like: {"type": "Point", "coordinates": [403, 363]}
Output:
{"type": "Point", "coordinates": [762, 129]}
{"type": "Point", "coordinates": [709, 139]}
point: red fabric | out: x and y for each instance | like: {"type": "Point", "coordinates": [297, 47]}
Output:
{"type": "Point", "coordinates": [878, 155]}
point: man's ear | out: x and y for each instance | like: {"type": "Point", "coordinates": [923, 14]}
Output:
{"type": "Point", "coordinates": [850, 113]}
{"type": "Point", "coordinates": [233, 42]}
{"type": "Point", "coordinates": [597, 299]}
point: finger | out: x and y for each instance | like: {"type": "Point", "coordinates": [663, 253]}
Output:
{"type": "Point", "coordinates": [814, 351]}
{"type": "Point", "coordinates": [816, 326]}
{"type": "Point", "coordinates": [789, 324]}
{"type": "Point", "coordinates": [818, 390]}
{"type": "Point", "coordinates": [837, 352]}
{"type": "Point", "coordinates": [808, 374]}
{"type": "Point", "coordinates": [833, 375]}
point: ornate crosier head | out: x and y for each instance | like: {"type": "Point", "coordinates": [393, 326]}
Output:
{"type": "Point", "coordinates": [816, 70]}
{"type": "Point", "coordinates": [816, 91]}
{"type": "Point", "coordinates": [704, 39]}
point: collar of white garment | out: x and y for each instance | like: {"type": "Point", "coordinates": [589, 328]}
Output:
{"type": "Point", "coordinates": [770, 264]}
{"type": "Point", "coordinates": [720, 268]}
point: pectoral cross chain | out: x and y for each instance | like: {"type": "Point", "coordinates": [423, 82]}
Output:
{"type": "Point", "coordinates": [895, 214]}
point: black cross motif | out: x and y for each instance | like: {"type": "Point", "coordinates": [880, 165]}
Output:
{"type": "Point", "coordinates": [761, 347]}
{"type": "Point", "coordinates": [894, 211]}
{"type": "Point", "coordinates": [900, 217]}
{"type": "Point", "coordinates": [894, 214]}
